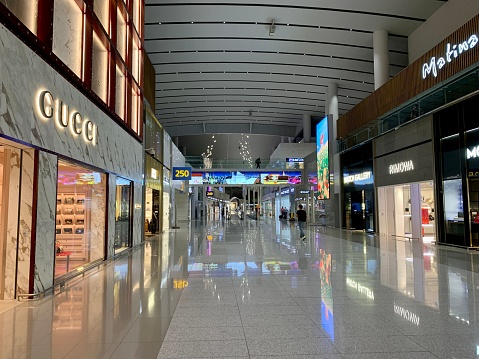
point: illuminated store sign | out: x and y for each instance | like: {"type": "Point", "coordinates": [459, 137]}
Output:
{"type": "Point", "coordinates": [50, 108]}
{"type": "Point", "coordinates": [357, 177]}
{"type": "Point", "coordinates": [401, 167]}
{"type": "Point", "coordinates": [210, 194]}
{"type": "Point", "coordinates": [154, 173]}
{"type": "Point", "coordinates": [295, 159]}
{"type": "Point", "coordinates": [472, 153]}
{"type": "Point", "coordinates": [452, 52]}
{"type": "Point", "coordinates": [406, 314]}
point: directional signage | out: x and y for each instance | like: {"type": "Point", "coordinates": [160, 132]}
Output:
{"type": "Point", "coordinates": [181, 173]}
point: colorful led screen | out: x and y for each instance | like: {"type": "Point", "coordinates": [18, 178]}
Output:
{"type": "Point", "coordinates": [322, 158]}
{"type": "Point", "coordinates": [281, 178]}
{"type": "Point", "coordinates": [241, 178]}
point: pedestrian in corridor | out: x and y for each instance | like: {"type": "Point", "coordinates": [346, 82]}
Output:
{"type": "Point", "coordinates": [301, 215]}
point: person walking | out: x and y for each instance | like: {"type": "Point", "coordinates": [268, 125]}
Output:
{"type": "Point", "coordinates": [258, 162]}
{"type": "Point", "coordinates": [301, 216]}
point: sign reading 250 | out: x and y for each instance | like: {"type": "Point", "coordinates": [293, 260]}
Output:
{"type": "Point", "coordinates": [181, 173]}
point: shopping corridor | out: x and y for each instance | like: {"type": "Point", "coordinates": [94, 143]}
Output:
{"type": "Point", "coordinates": [251, 289]}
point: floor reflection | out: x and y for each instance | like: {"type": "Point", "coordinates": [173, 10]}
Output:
{"type": "Point", "coordinates": [250, 288]}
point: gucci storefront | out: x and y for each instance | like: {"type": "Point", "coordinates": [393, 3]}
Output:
{"type": "Point", "coordinates": [70, 177]}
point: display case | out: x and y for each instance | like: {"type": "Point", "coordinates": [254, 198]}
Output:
{"type": "Point", "coordinates": [70, 226]}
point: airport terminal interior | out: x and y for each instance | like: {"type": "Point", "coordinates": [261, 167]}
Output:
{"type": "Point", "coordinates": [239, 179]}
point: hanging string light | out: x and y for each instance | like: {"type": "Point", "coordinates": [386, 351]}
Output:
{"type": "Point", "coordinates": [245, 150]}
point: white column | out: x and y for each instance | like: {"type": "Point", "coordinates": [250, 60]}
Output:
{"type": "Point", "coordinates": [283, 139]}
{"type": "Point", "coordinates": [306, 128]}
{"type": "Point", "coordinates": [177, 141]}
{"type": "Point", "coordinates": [184, 150]}
{"type": "Point", "coordinates": [332, 105]}
{"type": "Point", "coordinates": [290, 139]}
{"type": "Point", "coordinates": [381, 58]}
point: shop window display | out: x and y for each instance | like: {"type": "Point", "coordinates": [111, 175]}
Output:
{"type": "Point", "coordinates": [80, 217]}
{"type": "Point", "coordinates": [123, 214]}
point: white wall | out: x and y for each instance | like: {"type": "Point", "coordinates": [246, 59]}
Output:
{"type": "Point", "coordinates": [285, 150]}
{"type": "Point", "coordinates": [452, 15]}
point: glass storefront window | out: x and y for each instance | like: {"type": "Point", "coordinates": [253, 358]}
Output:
{"type": "Point", "coordinates": [68, 34]}
{"type": "Point", "coordinates": [123, 214]}
{"type": "Point", "coordinates": [80, 217]}
{"type": "Point", "coordinates": [25, 10]}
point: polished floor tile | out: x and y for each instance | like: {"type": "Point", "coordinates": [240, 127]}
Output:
{"type": "Point", "coordinates": [249, 289]}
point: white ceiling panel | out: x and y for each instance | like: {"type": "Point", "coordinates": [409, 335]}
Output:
{"type": "Point", "coordinates": [218, 68]}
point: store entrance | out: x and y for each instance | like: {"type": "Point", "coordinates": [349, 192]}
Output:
{"type": "Point", "coordinates": [407, 211]}
{"type": "Point", "coordinates": [152, 212]}
{"type": "Point", "coordinates": [10, 194]}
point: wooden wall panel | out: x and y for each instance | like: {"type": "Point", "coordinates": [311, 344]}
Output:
{"type": "Point", "coordinates": [409, 82]}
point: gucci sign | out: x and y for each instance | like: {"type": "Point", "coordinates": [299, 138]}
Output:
{"type": "Point", "coordinates": [49, 108]}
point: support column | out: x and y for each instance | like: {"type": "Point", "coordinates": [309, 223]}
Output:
{"type": "Point", "coordinates": [332, 105]}
{"type": "Point", "coordinates": [177, 141]}
{"type": "Point", "coordinates": [290, 139]}
{"type": "Point", "coordinates": [184, 150]}
{"type": "Point", "coordinates": [381, 58]}
{"type": "Point", "coordinates": [306, 128]}
{"type": "Point", "coordinates": [283, 139]}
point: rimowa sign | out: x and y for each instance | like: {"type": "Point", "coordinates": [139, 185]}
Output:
{"type": "Point", "coordinates": [401, 167]}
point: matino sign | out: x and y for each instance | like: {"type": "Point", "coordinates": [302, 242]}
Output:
{"type": "Point", "coordinates": [452, 52]}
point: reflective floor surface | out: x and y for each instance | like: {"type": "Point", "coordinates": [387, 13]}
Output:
{"type": "Point", "coordinates": [251, 289]}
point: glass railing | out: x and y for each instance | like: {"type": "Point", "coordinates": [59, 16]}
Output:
{"type": "Point", "coordinates": [198, 162]}
{"type": "Point", "coordinates": [419, 107]}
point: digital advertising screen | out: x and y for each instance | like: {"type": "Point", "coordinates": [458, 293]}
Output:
{"type": "Point", "coordinates": [322, 158]}
{"type": "Point", "coordinates": [278, 178]}
{"type": "Point", "coordinates": [231, 178]}
{"type": "Point", "coordinates": [241, 178]}
{"type": "Point", "coordinates": [196, 178]}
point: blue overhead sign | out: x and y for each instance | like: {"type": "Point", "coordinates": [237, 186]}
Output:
{"type": "Point", "coordinates": [181, 173]}
{"type": "Point", "coordinates": [295, 159]}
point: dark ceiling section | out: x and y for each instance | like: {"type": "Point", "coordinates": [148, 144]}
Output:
{"type": "Point", "coordinates": [224, 65]}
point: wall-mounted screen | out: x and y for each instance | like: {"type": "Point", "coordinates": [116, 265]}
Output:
{"type": "Point", "coordinates": [278, 178]}
{"type": "Point", "coordinates": [322, 158]}
{"type": "Point", "coordinates": [242, 178]}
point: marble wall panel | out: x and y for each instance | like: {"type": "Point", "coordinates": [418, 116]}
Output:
{"type": "Point", "coordinates": [45, 226]}
{"type": "Point", "coordinates": [13, 163]}
{"type": "Point", "coordinates": [138, 232]}
{"type": "Point", "coordinates": [25, 223]}
{"type": "Point", "coordinates": [97, 221]}
{"type": "Point", "coordinates": [24, 75]}
{"type": "Point", "coordinates": [111, 215]}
